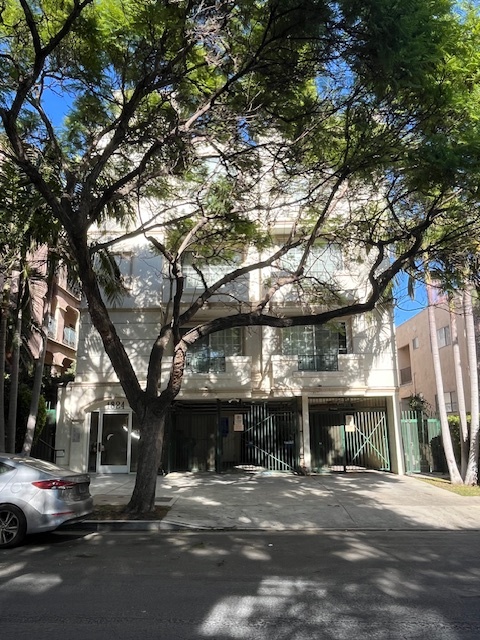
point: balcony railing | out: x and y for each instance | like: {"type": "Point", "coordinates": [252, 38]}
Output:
{"type": "Point", "coordinates": [70, 337]}
{"type": "Point", "coordinates": [320, 362]}
{"type": "Point", "coordinates": [52, 328]}
{"type": "Point", "coordinates": [203, 363]}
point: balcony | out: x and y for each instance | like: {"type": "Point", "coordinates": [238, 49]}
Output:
{"type": "Point", "coordinates": [318, 362]}
{"type": "Point", "coordinates": [299, 372]}
{"type": "Point", "coordinates": [70, 337]}
{"type": "Point", "coordinates": [230, 374]}
{"type": "Point", "coordinates": [204, 363]}
{"type": "Point", "coordinates": [52, 328]}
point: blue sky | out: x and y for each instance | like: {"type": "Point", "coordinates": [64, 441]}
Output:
{"type": "Point", "coordinates": [405, 307]}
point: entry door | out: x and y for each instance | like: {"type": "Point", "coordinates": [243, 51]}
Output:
{"type": "Point", "coordinates": [113, 441]}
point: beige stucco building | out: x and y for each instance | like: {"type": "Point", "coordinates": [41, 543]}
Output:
{"type": "Point", "coordinates": [415, 362]}
{"type": "Point", "coordinates": [312, 398]}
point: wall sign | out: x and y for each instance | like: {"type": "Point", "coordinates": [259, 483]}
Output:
{"type": "Point", "coordinates": [349, 424]}
{"type": "Point", "coordinates": [238, 422]}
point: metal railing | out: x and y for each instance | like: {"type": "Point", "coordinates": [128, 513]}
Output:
{"type": "Point", "coordinates": [52, 328]}
{"type": "Point", "coordinates": [320, 362]}
{"type": "Point", "coordinates": [70, 337]}
{"type": "Point", "coordinates": [201, 363]}
{"type": "Point", "coordinates": [45, 451]}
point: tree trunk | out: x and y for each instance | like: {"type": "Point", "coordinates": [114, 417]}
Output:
{"type": "Point", "coordinates": [3, 355]}
{"type": "Point", "coordinates": [150, 450]}
{"type": "Point", "coordinates": [471, 477]}
{"type": "Point", "coordinates": [455, 477]}
{"type": "Point", "coordinates": [462, 411]}
{"type": "Point", "coordinates": [39, 362]}
{"type": "Point", "coordinates": [15, 372]}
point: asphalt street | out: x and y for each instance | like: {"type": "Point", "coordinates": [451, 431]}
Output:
{"type": "Point", "coordinates": [332, 585]}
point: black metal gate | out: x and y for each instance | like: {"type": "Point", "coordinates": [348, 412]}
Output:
{"type": "Point", "coordinates": [222, 436]}
{"type": "Point", "coordinates": [191, 438]}
{"type": "Point", "coordinates": [357, 440]}
{"type": "Point", "coordinates": [270, 437]}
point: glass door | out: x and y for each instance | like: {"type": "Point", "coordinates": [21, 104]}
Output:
{"type": "Point", "coordinates": [113, 440]}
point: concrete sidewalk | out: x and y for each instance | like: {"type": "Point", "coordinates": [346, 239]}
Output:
{"type": "Point", "coordinates": [282, 502]}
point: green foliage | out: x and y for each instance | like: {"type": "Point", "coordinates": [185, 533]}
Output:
{"type": "Point", "coordinates": [23, 408]}
{"type": "Point", "coordinates": [417, 402]}
{"type": "Point", "coordinates": [454, 425]}
{"type": "Point", "coordinates": [195, 103]}
{"type": "Point", "coordinates": [109, 276]}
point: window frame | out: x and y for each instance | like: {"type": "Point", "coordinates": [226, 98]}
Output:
{"type": "Point", "coordinates": [322, 261]}
{"type": "Point", "coordinates": [212, 272]}
{"type": "Point", "coordinates": [214, 358]}
{"type": "Point", "coordinates": [317, 358]}
{"type": "Point", "coordinates": [444, 337]}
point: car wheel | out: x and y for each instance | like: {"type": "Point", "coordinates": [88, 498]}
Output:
{"type": "Point", "coordinates": [13, 526]}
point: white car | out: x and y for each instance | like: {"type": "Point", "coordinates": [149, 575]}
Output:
{"type": "Point", "coordinates": [36, 496]}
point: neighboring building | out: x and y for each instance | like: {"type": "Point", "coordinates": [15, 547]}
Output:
{"type": "Point", "coordinates": [64, 318]}
{"type": "Point", "coordinates": [415, 363]}
{"type": "Point", "coordinates": [61, 346]}
{"type": "Point", "coordinates": [310, 398]}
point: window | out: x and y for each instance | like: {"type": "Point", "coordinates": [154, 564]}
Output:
{"type": "Point", "coordinates": [317, 347]}
{"type": "Point", "coordinates": [451, 403]}
{"type": "Point", "coordinates": [443, 336]}
{"type": "Point", "coordinates": [415, 343]}
{"type": "Point", "coordinates": [124, 262]}
{"type": "Point", "coordinates": [322, 261]}
{"type": "Point", "coordinates": [211, 272]}
{"type": "Point", "coordinates": [405, 375]}
{"type": "Point", "coordinates": [208, 354]}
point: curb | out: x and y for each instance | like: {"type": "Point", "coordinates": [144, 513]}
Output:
{"type": "Point", "coordinates": [120, 525]}
{"type": "Point", "coordinates": [151, 526]}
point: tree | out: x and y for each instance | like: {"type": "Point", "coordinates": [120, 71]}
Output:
{"type": "Point", "coordinates": [471, 475]}
{"type": "Point", "coordinates": [220, 115]}
{"type": "Point", "coordinates": [453, 471]}
{"type": "Point", "coordinates": [40, 360]}
{"type": "Point", "coordinates": [455, 273]}
{"type": "Point", "coordinates": [455, 266]}
{"type": "Point", "coordinates": [457, 363]}
{"type": "Point", "coordinates": [24, 229]}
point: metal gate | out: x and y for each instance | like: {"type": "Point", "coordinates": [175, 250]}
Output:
{"type": "Point", "coordinates": [221, 436]}
{"type": "Point", "coordinates": [191, 438]}
{"type": "Point", "coordinates": [270, 437]}
{"type": "Point", "coordinates": [422, 443]}
{"type": "Point", "coordinates": [357, 440]}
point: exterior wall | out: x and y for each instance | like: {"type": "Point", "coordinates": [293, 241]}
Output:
{"type": "Point", "coordinates": [419, 360]}
{"type": "Point", "coordinates": [260, 375]}
{"type": "Point", "coordinates": [63, 331]}
{"type": "Point", "coordinates": [64, 317]}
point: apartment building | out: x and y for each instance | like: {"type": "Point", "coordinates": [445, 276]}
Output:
{"type": "Point", "coordinates": [416, 374]}
{"type": "Point", "coordinates": [63, 318]}
{"type": "Point", "coordinates": [306, 399]}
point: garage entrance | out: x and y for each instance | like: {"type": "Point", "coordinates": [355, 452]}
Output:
{"type": "Point", "coordinates": [349, 438]}
{"type": "Point", "coordinates": [224, 435]}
